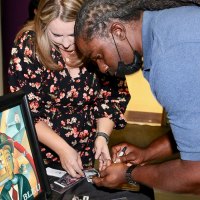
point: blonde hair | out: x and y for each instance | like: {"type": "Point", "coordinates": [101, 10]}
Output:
{"type": "Point", "coordinates": [47, 11]}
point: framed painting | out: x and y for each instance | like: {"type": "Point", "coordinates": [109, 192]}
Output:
{"type": "Point", "coordinates": [22, 172]}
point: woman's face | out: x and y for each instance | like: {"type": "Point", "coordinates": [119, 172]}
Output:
{"type": "Point", "coordinates": [62, 34]}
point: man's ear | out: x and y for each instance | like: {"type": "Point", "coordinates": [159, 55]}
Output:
{"type": "Point", "coordinates": [118, 30]}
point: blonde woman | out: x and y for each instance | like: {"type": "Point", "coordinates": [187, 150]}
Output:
{"type": "Point", "coordinates": [74, 108]}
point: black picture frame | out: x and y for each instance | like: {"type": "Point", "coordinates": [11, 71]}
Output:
{"type": "Point", "coordinates": [20, 156]}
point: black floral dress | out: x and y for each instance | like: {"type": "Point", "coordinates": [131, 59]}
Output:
{"type": "Point", "coordinates": [69, 105]}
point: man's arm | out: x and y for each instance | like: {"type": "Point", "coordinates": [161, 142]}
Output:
{"type": "Point", "coordinates": [174, 176]}
{"type": "Point", "coordinates": [161, 147]}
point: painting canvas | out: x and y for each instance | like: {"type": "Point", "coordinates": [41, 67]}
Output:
{"type": "Point", "coordinates": [22, 172]}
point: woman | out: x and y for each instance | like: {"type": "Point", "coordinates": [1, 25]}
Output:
{"type": "Point", "coordinates": [74, 108]}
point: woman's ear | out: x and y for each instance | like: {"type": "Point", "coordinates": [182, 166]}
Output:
{"type": "Point", "coordinates": [118, 30]}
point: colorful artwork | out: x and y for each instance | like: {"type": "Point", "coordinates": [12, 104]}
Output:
{"type": "Point", "coordinates": [16, 160]}
{"type": "Point", "coordinates": [19, 176]}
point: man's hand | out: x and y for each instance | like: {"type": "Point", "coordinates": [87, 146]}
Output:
{"type": "Point", "coordinates": [133, 154]}
{"type": "Point", "coordinates": [112, 176]}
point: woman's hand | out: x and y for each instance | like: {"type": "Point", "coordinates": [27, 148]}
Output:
{"type": "Point", "coordinates": [71, 162]}
{"type": "Point", "coordinates": [102, 152]}
{"type": "Point", "coordinates": [70, 159]}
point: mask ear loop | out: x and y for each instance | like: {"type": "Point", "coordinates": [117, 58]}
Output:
{"type": "Point", "coordinates": [130, 44]}
{"type": "Point", "coordinates": [116, 47]}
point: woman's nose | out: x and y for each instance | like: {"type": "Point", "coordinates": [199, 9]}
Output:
{"type": "Point", "coordinates": [67, 43]}
{"type": "Point", "coordinates": [102, 66]}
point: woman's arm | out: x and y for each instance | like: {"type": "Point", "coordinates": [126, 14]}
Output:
{"type": "Point", "coordinates": [113, 99]}
{"type": "Point", "coordinates": [70, 159]}
{"type": "Point", "coordinates": [104, 129]}
{"type": "Point", "coordinates": [112, 102]}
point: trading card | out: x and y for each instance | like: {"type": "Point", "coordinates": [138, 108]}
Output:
{"type": "Point", "coordinates": [89, 173]}
{"type": "Point", "coordinates": [64, 183]}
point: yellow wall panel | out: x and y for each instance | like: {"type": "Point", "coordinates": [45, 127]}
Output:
{"type": "Point", "coordinates": [142, 99]}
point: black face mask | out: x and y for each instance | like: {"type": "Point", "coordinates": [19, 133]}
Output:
{"type": "Point", "coordinates": [126, 69]}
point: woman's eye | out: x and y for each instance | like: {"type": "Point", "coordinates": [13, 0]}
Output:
{"type": "Point", "coordinates": [56, 35]}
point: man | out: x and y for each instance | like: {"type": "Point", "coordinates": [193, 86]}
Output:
{"type": "Point", "coordinates": [116, 34]}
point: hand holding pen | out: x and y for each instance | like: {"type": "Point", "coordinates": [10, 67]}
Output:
{"type": "Point", "coordinates": [132, 154]}
{"type": "Point", "coordinates": [121, 153]}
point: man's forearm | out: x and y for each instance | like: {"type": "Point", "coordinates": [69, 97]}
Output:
{"type": "Point", "coordinates": [173, 176]}
{"type": "Point", "coordinates": [161, 147]}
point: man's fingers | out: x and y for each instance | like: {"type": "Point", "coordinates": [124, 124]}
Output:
{"type": "Point", "coordinates": [103, 173]}
{"type": "Point", "coordinates": [129, 159]}
{"type": "Point", "coordinates": [123, 158]}
{"type": "Point", "coordinates": [97, 181]}
{"type": "Point", "coordinates": [116, 149]}
{"type": "Point", "coordinates": [115, 152]}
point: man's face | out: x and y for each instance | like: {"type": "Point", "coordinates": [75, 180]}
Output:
{"type": "Point", "coordinates": [104, 53]}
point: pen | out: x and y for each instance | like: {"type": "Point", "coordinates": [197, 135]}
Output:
{"type": "Point", "coordinates": [122, 152]}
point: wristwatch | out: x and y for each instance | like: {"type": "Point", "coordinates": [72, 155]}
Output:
{"type": "Point", "coordinates": [129, 177]}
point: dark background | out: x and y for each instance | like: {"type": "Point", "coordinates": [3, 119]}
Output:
{"type": "Point", "coordinates": [14, 15]}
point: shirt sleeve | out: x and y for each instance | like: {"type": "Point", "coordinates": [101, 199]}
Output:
{"type": "Point", "coordinates": [114, 98]}
{"type": "Point", "coordinates": [25, 72]}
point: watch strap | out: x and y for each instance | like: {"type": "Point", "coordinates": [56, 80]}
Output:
{"type": "Point", "coordinates": [129, 178]}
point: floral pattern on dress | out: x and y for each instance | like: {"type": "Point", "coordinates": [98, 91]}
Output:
{"type": "Point", "coordinates": [70, 106]}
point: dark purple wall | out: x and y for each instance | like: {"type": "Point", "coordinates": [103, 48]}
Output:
{"type": "Point", "coordinates": [14, 14]}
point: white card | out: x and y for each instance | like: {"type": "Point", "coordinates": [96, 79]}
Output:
{"type": "Point", "coordinates": [89, 173]}
{"type": "Point", "coordinates": [55, 172]}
